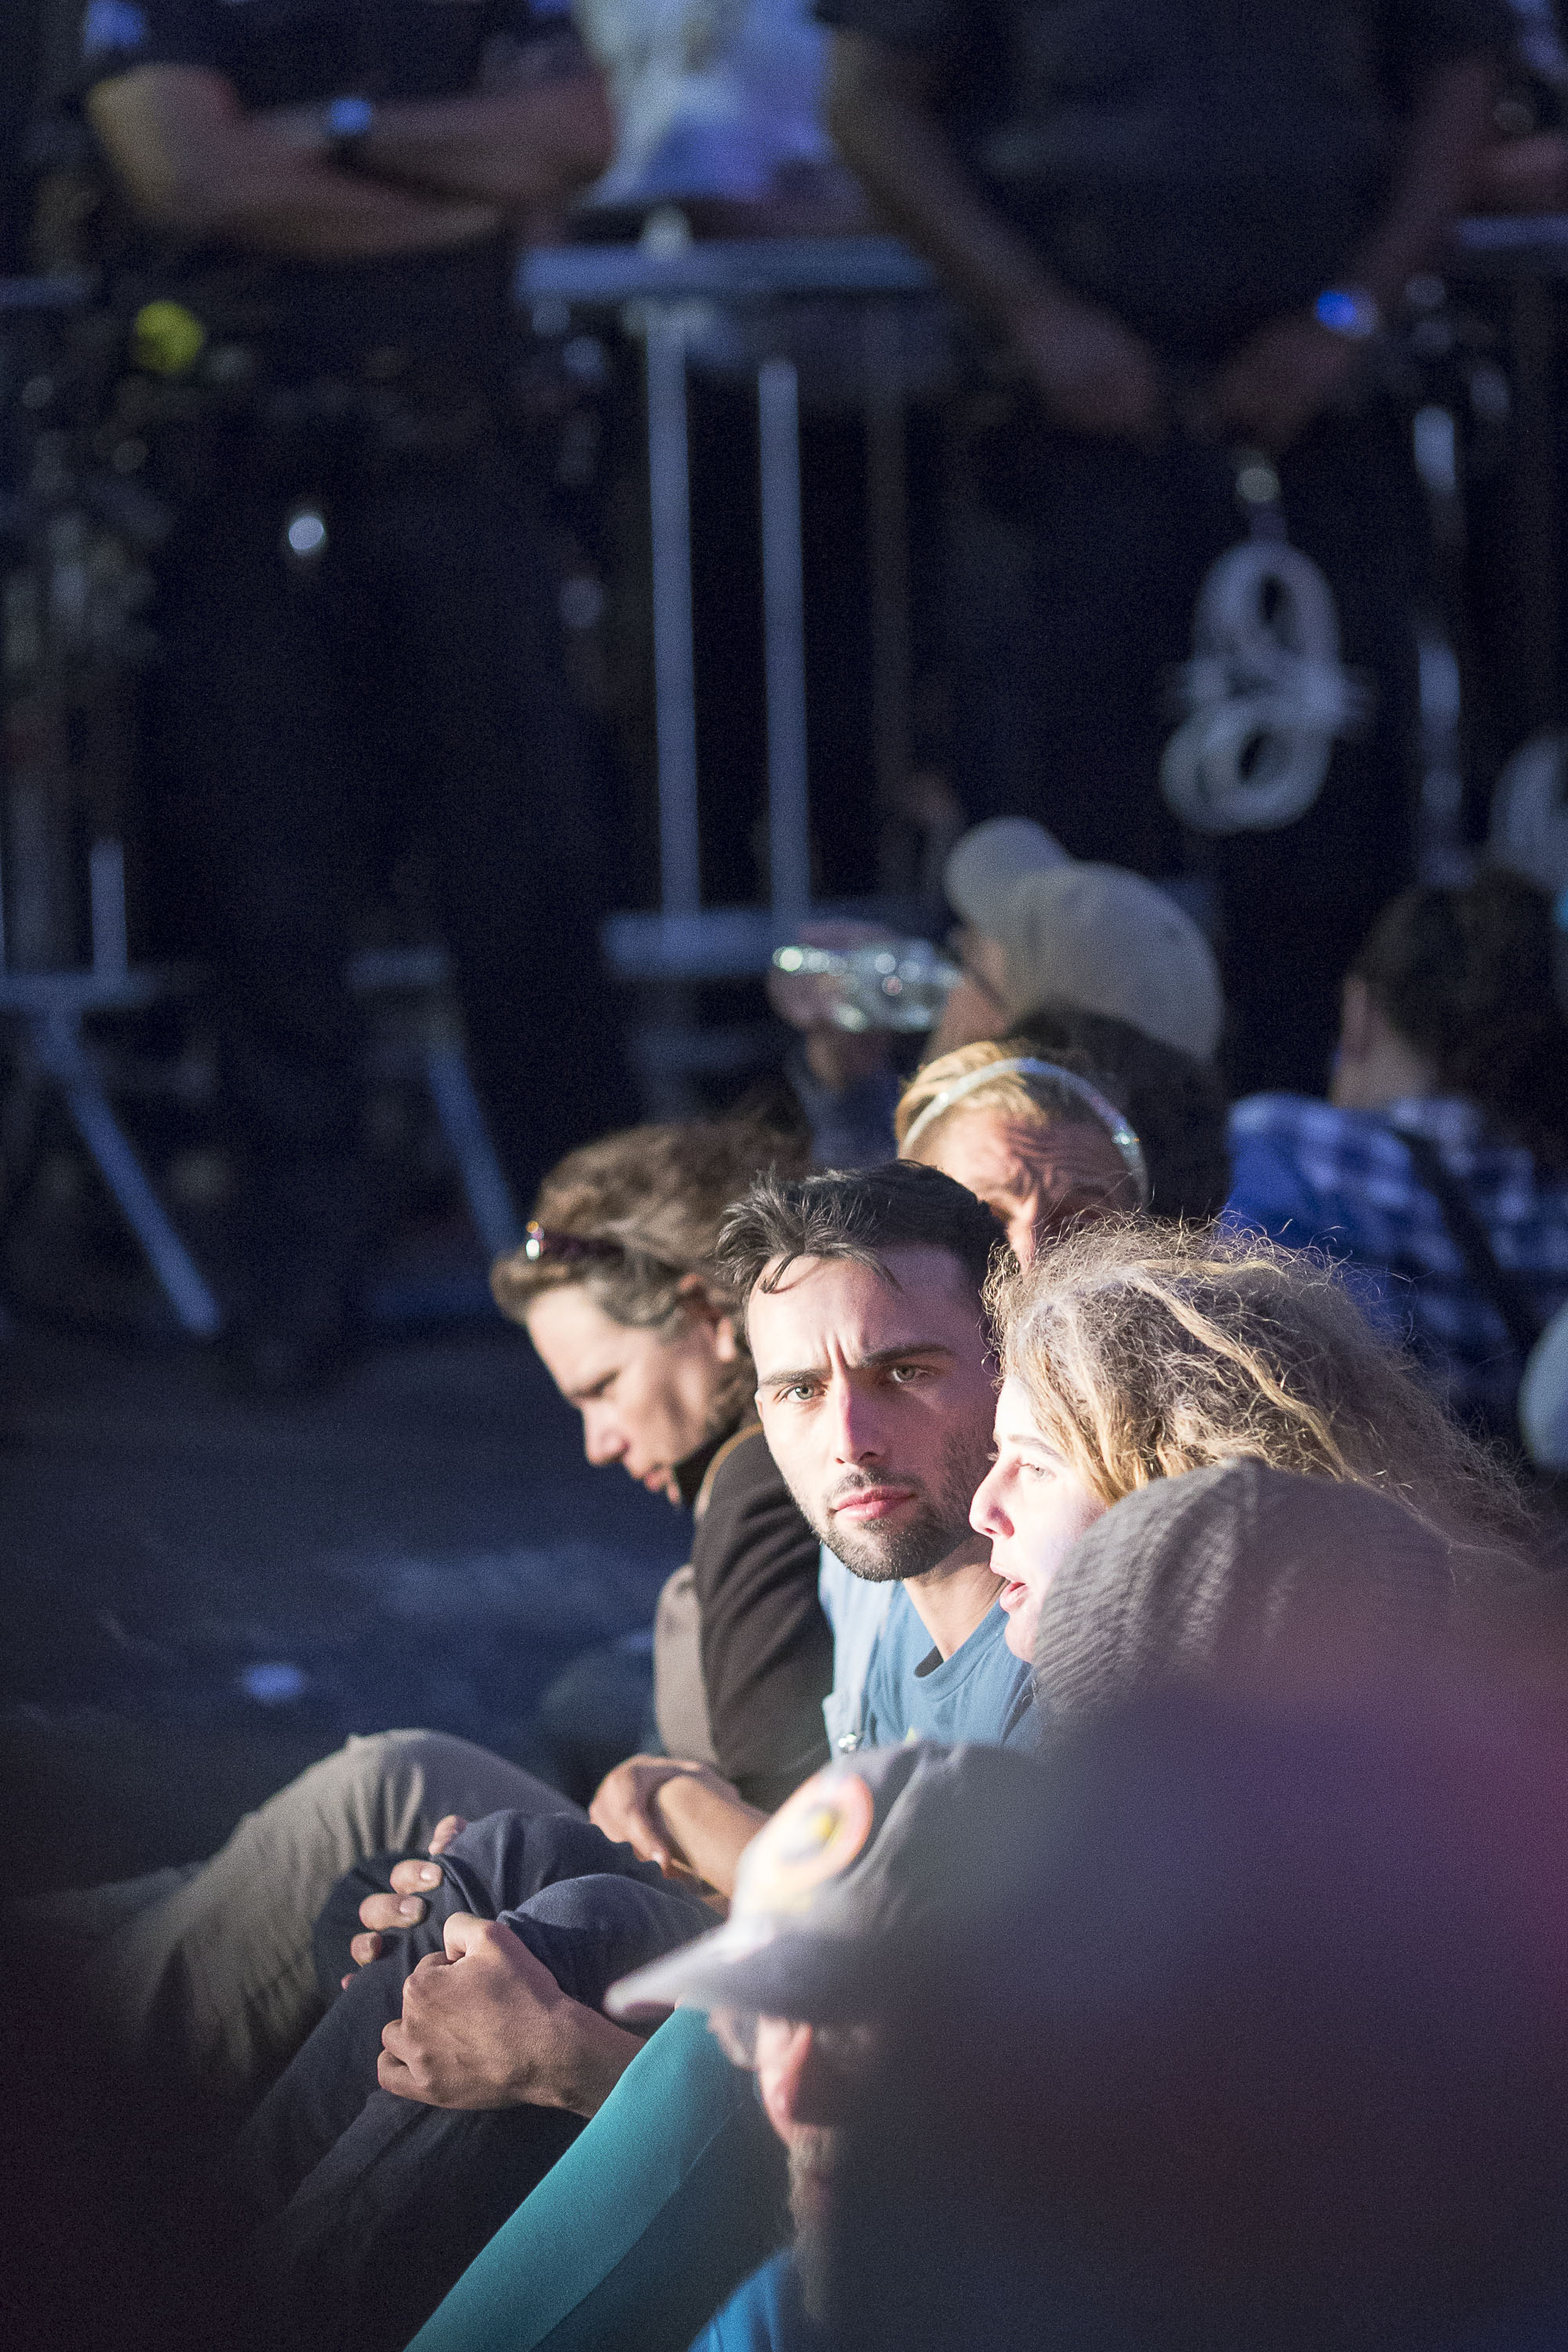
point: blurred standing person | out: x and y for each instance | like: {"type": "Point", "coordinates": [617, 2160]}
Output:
{"type": "Point", "coordinates": [1183, 226]}
{"type": "Point", "coordinates": [357, 622]}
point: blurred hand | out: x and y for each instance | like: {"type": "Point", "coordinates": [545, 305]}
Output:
{"type": "Point", "coordinates": [1278, 382]}
{"type": "Point", "coordinates": [406, 1907]}
{"type": "Point", "coordinates": [835, 1057]}
{"type": "Point", "coordinates": [1094, 374]}
{"type": "Point", "coordinates": [488, 2026]}
{"type": "Point", "coordinates": [625, 1806]}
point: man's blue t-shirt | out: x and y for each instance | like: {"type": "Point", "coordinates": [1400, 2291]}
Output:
{"type": "Point", "coordinates": [982, 1692]}
{"type": "Point", "coordinates": [766, 2315]}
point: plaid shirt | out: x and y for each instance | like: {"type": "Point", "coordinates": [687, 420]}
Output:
{"type": "Point", "coordinates": [1341, 1179]}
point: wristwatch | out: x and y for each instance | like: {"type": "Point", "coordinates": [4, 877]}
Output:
{"type": "Point", "coordinates": [346, 120]}
{"type": "Point", "coordinates": [1350, 311]}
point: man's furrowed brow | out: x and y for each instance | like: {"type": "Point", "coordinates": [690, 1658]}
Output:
{"type": "Point", "coordinates": [878, 1358]}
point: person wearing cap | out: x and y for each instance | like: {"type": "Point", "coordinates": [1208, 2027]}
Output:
{"type": "Point", "coordinates": [1039, 927]}
{"type": "Point", "coordinates": [1039, 936]}
{"type": "Point", "coordinates": [882, 1896]}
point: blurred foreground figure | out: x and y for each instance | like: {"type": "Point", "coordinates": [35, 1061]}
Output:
{"type": "Point", "coordinates": [358, 626]}
{"type": "Point", "coordinates": [1265, 2045]}
{"type": "Point", "coordinates": [1180, 225]}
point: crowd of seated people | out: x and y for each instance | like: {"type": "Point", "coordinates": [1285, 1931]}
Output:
{"type": "Point", "coordinates": [1216, 1362]}
{"type": "Point", "coordinates": [1003, 1454]}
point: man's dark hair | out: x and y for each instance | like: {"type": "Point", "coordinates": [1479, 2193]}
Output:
{"type": "Point", "coordinates": [857, 1214]}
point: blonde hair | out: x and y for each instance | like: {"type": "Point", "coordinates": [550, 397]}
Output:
{"type": "Point", "coordinates": [1033, 1099]}
{"type": "Point", "coordinates": [1147, 1350]}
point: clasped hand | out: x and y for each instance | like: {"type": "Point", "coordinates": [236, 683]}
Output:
{"type": "Point", "coordinates": [485, 2025]}
{"type": "Point", "coordinates": [1095, 376]}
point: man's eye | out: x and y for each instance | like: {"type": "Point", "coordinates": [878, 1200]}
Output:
{"type": "Point", "coordinates": [904, 1373]}
{"type": "Point", "coordinates": [798, 1392]}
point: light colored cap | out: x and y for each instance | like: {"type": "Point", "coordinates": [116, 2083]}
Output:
{"type": "Point", "coordinates": [1109, 942]}
{"type": "Point", "coordinates": [987, 861]}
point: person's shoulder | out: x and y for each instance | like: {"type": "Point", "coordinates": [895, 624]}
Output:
{"type": "Point", "coordinates": [1281, 1115]}
{"type": "Point", "coordinates": [765, 2314]}
{"type": "Point", "coordinates": [741, 1467]}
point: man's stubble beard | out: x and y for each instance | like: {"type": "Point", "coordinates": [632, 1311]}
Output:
{"type": "Point", "coordinates": [812, 2155]}
{"type": "Point", "coordinates": [937, 1529]}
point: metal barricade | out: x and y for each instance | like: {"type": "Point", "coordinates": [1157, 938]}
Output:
{"type": "Point", "coordinates": [685, 941]}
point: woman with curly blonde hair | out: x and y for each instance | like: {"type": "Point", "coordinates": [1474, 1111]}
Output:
{"type": "Point", "coordinates": [1133, 1353]}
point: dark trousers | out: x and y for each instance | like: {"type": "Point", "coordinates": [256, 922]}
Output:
{"type": "Point", "coordinates": [367, 2207]}
{"type": "Point", "coordinates": [1076, 568]}
{"type": "Point", "coordinates": [405, 683]}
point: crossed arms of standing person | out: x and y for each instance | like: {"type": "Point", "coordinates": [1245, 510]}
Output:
{"type": "Point", "coordinates": [420, 175]}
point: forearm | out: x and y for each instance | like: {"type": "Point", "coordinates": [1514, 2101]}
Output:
{"type": "Point", "coordinates": [712, 1831]}
{"type": "Point", "coordinates": [595, 2054]}
{"type": "Point", "coordinates": [1442, 150]}
{"type": "Point", "coordinates": [887, 132]}
{"type": "Point", "coordinates": [193, 163]}
{"type": "Point", "coordinates": [527, 148]}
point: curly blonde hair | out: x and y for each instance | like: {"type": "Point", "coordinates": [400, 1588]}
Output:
{"type": "Point", "coordinates": [1146, 1350]}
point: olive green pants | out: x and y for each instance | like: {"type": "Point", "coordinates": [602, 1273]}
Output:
{"type": "Point", "coordinates": [203, 1975]}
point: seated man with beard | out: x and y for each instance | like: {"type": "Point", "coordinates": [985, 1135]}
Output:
{"type": "Point", "coordinates": [484, 2034]}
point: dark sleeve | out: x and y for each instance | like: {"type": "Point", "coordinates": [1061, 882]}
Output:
{"type": "Point", "coordinates": [116, 34]}
{"type": "Point", "coordinates": [767, 1649]}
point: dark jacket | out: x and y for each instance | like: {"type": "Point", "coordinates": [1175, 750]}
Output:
{"type": "Point", "coordinates": [766, 1647]}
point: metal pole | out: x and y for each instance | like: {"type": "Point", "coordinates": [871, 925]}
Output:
{"type": "Point", "coordinates": [61, 1055]}
{"type": "Point", "coordinates": [675, 682]}
{"type": "Point", "coordinates": [887, 501]}
{"type": "Point", "coordinates": [485, 1188]}
{"type": "Point", "coordinates": [783, 620]}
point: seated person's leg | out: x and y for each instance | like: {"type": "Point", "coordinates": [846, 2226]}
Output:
{"type": "Point", "coordinates": [669, 2196]}
{"type": "Point", "coordinates": [213, 1987]}
{"type": "Point", "coordinates": [586, 1908]}
{"type": "Point", "coordinates": [407, 2194]}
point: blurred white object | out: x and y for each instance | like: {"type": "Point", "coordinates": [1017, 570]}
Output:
{"type": "Point", "coordinates": [901, 986]}
{"type": "Point", "coordinates": [1266, 694]}
{"type": "Point", "coordinates": [714, 97]}
{"type": "Point", "coordinates": [1544, 1397]}
{"type": "Point", "coordinates": [1530, 813]}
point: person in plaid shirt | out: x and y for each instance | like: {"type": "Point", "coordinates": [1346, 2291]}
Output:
{"type": "Point", "coordinates": [1453, 1035]}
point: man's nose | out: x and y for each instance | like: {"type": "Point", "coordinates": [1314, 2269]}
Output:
{"type": "Point", "coordinates": [857, 1436]}
{"type": "Point", "coordinates": [797, 2088]}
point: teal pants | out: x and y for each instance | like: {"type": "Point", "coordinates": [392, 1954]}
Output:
{"type": "Point", "coordinates": [672, 2195]}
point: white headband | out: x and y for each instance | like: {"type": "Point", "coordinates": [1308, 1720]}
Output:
{"type": "Point", "coordinates": [1110, 1117]}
